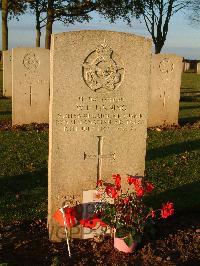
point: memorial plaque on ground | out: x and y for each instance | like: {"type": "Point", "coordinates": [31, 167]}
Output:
{"type": "Point", "coordinates": [98, 112]}
{"type": "Point", "coordinates": [30, 88]}
{"type": "Point", "coordinates": [7, 73]}
{"type": "Point", "coordinates": [165, 86]}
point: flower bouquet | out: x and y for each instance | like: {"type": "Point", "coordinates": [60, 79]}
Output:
{"type": "Point", "coordinates": [124, 212]}
{"type": "Point", "coordinates": [128, 215]}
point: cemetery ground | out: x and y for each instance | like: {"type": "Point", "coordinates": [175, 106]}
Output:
{"type": "Point", "coordinates": [172, 164]}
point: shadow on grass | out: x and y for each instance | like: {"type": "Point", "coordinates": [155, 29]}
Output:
{"type": "Point", "coordinates": [186, 202]}
{"type": "Point", "coordinates": [23, 182]}
{"type": "Point", "coordinates": [5, 113]}
{"type": "Point", "coordinates": [188, 120]}
{"type": "Point", "coordinates": [177, 148]}
{"type": "Point", "coordinates": [185, 198]}
{"type": "Point", "coordinates": [195, 98]}
{"type": "Point", "coordinates": [190, 107]}
{"type": "Point", "coordinates": [23, 197]}
{"type": "Point", "coordinates": [189, 90]}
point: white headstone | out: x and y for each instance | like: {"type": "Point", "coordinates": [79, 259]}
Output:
{"type": "Point", "coordinates": [30, 89]}
{"type": "Point", "coordinates": [98, 112]}
{"type": "Point", "coordinates": [7, 73]}
{"type": "Point", "coordinates": [165, 86]}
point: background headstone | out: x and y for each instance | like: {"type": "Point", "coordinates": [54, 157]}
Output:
{"type": "Point", "coordinates": [98, 112]}
{"type": "Point", "coordinates": [164, 93]}
{"type": "Point", "coordinates": [30, 87]}
{"type": "Point", "coordinates": [198, 68]}
{"type": "Point", "coordinates": [187, 66]}
{"type": "Point", "coordinates": [7, 73]}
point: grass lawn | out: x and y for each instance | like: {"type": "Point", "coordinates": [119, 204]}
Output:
{"type": "Point", "coordinates": [172, 164]}
{"type": "Point", "coordinates": [190, 99]}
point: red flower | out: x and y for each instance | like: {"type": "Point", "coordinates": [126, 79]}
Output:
{"type": "Point", "coordinates": [149, 187]}
{"type": "Point", "coordinates": [117, 181]}
{"type": "Point", "coordinates": [139, 191]}
{"type": "Point", "coordinates": [167, 210]}
{"type": "Point", "coordinates": [130, 179]}
{"type": "Point", "coordinates": [135, 180]}
{"type": "Point", "coordinates": [137, 183]}
{"type": "Point", "coordinates": [111, 192]}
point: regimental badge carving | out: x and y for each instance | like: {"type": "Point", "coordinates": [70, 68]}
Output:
{"type": "Point", "coordinates": [166, 66]}
{"type": "Point", "coordinates": [103, 70]}
{"type": "Point", "coordinates": [31, 61]}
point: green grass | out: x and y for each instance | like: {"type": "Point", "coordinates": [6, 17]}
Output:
{"type": "Point", "coordinates": [5, 109]}
{"type": "Point", "coordinates": [190, 99]}
{"type": "Point", "coordinates": [23, 175]}
{"type": "Point", "coordinates": [172, 162]}
{"type": "Point", "coordinates": [5, 103]}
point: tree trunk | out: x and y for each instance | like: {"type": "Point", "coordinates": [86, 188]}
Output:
{"type": "Point", "coordinates": [49, 26]}
{"type": "Point", "coordinates": [38, 30]}
{"type": "Point", "coordinates": [4, 25]}
{"type": "Point", "coordinates": [158, 47]}
{"type": "Point", "coordinates": [38, 35]}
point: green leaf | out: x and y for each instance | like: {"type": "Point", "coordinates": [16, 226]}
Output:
{"type": "Point", "coordinates": [128, 240]}
{"type": "Point", "coordinates": [120, 233]}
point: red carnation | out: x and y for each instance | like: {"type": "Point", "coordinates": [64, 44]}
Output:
{"type": "Point", "coordinates": [137, 183]}
{"type": "Point", "coordinates": [167, 210]}
{"type": "Point", "coordinates": [131, 179]}
{"type": "Point", "coordinates": [117, 181]}
{"type": "Point", "coordinates": [139, 191]}
{"type": "Point", "coordinates": [111, 192]}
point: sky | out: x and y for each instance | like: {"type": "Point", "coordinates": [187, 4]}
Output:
{"type": "Point", "coordinates": [182, 38]}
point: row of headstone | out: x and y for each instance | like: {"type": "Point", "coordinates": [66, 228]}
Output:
{"type": "Point", "coordinates": [29, 71]}
{"type": "Point", "coordinates": [191, 66]}
{"type": "Point", "coordinates": [98, 114]}
{"type": "Point", "coordinates": [164, 96]}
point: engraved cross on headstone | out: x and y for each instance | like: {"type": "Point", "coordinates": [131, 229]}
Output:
{"type": "Point", "coordinates": [30, 95]}
{"type": "Point", "coordinates": [163, 96]}
{"type": "Point", "coordinates": [100, 156]}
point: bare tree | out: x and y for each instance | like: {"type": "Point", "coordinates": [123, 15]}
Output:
{"type": "Point", "coordinates": [10, 8]}
{"type": "Point", "coordinates": [194, 10]}
{"type": "Point", "coordinates": [157, 15]}
{"type": "Point", "coordinates": [4, 25]}
{"type": "Point", "coordinates": [67, 11]}
{"type": "Point", "coordinates": [49, 25]}
{"type": "Point", "coordinates": [39, 9]}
